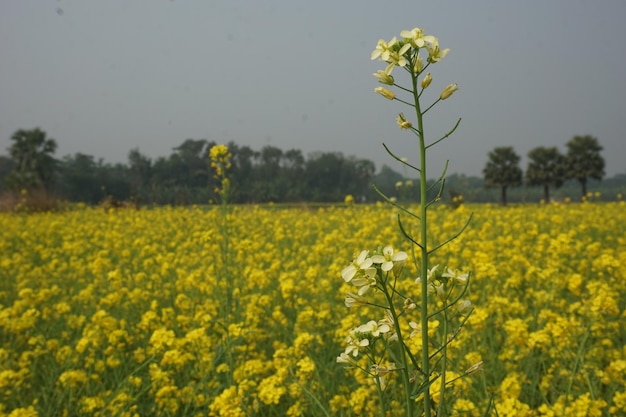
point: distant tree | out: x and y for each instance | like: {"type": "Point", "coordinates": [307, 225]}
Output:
{"type": "Point", "coordinates": [140, 167]}
{"type": "Point", "coordinates": [79, 179]}
{"type": "Point", "coordinates": [502, 170]}
{"type": "Point", "coordinates": [330, 176]}
{"type": "Point", "coordinates": [293, 170]}
{"type": "Point", "coordinates": [269, 179]}
{"type": "Point", "coordinates": [583, 160]}
{"type": "Point", "coordinates": [6, 166]}
{"type": "Point", "coordinates": [190, 161]}
{"type": "Point", "coordinates": [33, 154]}
{"type": "Point", "coordinates": [241, 173]}
{"type": "Point", "coordinates": [140, 170]}
{"type": "Point", "coordinates": [546, 168]}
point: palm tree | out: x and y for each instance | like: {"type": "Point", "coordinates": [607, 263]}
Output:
{"type": "Point", "coordinates": [546, 168]}
{"type": "Point", "coordinates": [502, 170]}
{"type": "Point", "coordinates": [584, 161]}
{"type": "Point", "coordinates": [34, 164]}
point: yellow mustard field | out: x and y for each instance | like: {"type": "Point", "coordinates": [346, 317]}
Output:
{"type": "Point", "coordinates": [186, 312]}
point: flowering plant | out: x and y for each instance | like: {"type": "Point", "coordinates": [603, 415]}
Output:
{"type": "Point", "coordinates": [420, 320]}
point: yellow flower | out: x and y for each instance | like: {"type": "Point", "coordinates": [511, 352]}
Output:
{"type": "Point", "coordinates": [417, 38]}
{"type": "Point", "coordinates": [390, 259]}
{"type": "Point", "coordinates": [388, 94]}
{"type": "Point", "coordinates": [447, 92]}
{"type": "Point", "coordinates": [434, 53]}
{"type": "Point", "coordinates": [384, 78]}
{"type": "Point", "coordinates": [403, 123]}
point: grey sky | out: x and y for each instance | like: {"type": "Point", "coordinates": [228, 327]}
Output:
{"type": "Point", "coordinates": [103, 77]}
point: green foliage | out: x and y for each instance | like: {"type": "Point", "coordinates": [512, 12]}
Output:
{"type": "Point", "coordinates": [34, 165]}
{"type": "Point", "coordinates": [502, 170]}
{"type": "Point", "coordinates": [584, 161]}
{"type": "Point", "coordinates": [546, 168]}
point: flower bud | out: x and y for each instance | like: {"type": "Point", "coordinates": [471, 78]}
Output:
{"type": "Point", "coordinates": [419, 65]}
{"type": "Point", "coordinates": [384, 78]}
{"type": "Point", "coordinates": [388, 94]}
{"type": "Point", "coordinates": [402, 122]}
{"type": "Point", "coordinates": [447, 92]}
{"type": "Point", "coordinates": [426, 81]}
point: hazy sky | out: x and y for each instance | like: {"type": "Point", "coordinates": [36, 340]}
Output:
{"type": "Point", "coordinates": [103, 77]}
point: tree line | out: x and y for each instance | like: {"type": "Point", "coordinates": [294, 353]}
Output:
{"type": "Point", "coordinates": [547, 167]}
{"type": "Point", "coordinates": [273, 175]}
{"type": "Point", "coordinates": [185, 176]}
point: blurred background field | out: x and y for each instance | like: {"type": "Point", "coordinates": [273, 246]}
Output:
{"type": "Point", "coordinates": [157, 312]}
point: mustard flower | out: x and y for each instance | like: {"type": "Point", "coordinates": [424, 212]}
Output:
{"type": "Point", "coordinates": [383, 49]}
{"type": "Point", "coordinates": [430, 274]}
{"type": "Point", "coordinates": [344, 358]}
{"type": "Point", "coordinates": [415, 329]}
{"type": "Point", "coordinates": [416, 38]}
{"type": "Point", "coordinates": [359, 339]}
{"type": "Point", "coordinates": [372, 328]}
{"type": "Point", "coordinates": [447, 92]}
{"type": "Point", "coordinates": [381, 372]}
{"type": "Point", "coordinates": [365, 281]}
{"type": "Point", "coordinates": [354, 299]}
{"type": "Point", "coordinates": [362, 263]}
{"type": "Point", "coordinates": [355, 344]}
{"type": "Point", "coordinates": [409, 304]}
{"type": "Point", "coordinates": [384, 78]}
{"type": "Point", "coordinates": [435, 54]}
{"type": "Point", "coordinates": [418, 65]}
{"type": "Point", "coordinates": [402, 122]}
{"type": "Point", "coordinates": [389, 258]}
{"type": "Point", "coordinates": [426, 80]}
{"type": "Point", "coordinates": [460, 278]}
{"type": "Point", "coordinates": [388, 94]}
{"type": "Point", "coordinates": [391, 52]}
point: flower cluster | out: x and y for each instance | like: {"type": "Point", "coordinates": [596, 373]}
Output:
{"type": "Point", "coordinates": [220, 156]}
{"type": "Point", "coordinates": [365, 272]}
{"type": "Point", "coordinates": [405, 52]}
{"type": "Point", "coordinates": [220, 159]}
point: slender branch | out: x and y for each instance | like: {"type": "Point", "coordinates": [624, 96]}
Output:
{"type": "Point", "coordinates": [431, 106]}
{"type": "Point", "coordinates": [446, 135]}
{"type": "Point", "coordinates": [441, 177]}
{"type": "Point", "coordinates": [393, 203]}
{"type": "Point", "coordinates": [397, 158]}
{"type": "Point", "coordinates": [402, 101]}
{"type": "Point", "coordinates": [457, 234]}
{"type": "Point", "coordinates": [456, 300]}
{"type": "Point", "coordinates": [406, 234]}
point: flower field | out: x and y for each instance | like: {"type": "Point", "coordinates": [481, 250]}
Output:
{"type": "Point", "coordinates": [195, 312]}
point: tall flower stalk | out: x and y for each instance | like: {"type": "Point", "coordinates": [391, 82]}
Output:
{"type": "Point", "coordinates": [386, 347]}
{"type": "Point", "coordinates": [220, 157]}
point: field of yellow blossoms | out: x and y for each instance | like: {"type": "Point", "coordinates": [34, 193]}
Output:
{"type": "Point", "coordinates": [195, 312]}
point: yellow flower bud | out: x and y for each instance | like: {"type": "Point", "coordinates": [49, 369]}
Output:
{"type": "Point", "coordinates": [447, 92]}
{"type": "Point", "coordinates": [388, 94]}
{"type": "Point", "coordinates": [402, 122]}
{"type": "Point", "coordinates": [383, 77]}
{"type": "Point", "coordinates": [426, 81]}
{"type": "Point", "coordinates": [419, 65]}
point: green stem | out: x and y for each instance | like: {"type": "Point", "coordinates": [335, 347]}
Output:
{"type": "Point", "coordinates": [383, 410]}
{"type": "Point", "coordinates": [403, 353]}
{"type": "Point", "coordinates": [423, 246]}
{"type": "Point", "coordinates": [442, 390]}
